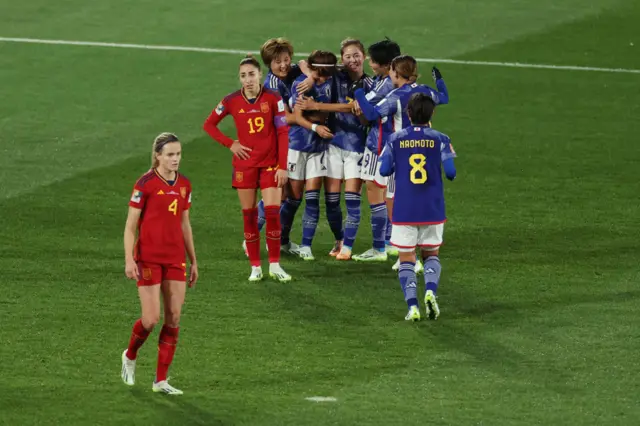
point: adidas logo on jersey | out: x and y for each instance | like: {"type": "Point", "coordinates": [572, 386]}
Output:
{"type": "Point", "coordinates": [241, 111]}
{"type": "Point", "coordinates": [161, 192]}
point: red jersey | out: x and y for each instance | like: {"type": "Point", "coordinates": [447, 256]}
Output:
{"type": "Point", "coordinates": [160, 238]}
{"type": "Point", "coordinates": [260, 124]}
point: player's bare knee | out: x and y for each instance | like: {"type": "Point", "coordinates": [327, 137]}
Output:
{"type": "Point", "coordinates": [172, 316]}
{"type": "Point", "coordinates": [430, 252]}
{"type": "Point", "coordinates": [407, 256]}
{"type": "Point", "coordinates": [150, 320]}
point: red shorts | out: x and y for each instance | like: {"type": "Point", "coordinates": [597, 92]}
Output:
{"type": "Point", "coordinates": [155, 273]}
{"type": "Point", "coordinates": [254, 177]}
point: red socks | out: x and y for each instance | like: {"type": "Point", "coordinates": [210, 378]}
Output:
{"type": "Point", "coordinates": [272, 215]}
{"type": "Point", "coordinates": [252, 234]}
{"type": "Point", "coordinates": [138, 337]}
{"type": "Point", "coordinates": [166, 348]}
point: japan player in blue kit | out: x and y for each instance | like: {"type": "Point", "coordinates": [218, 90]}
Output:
{"type": "Point", "coordinates": [344, 157]}
{"type": "Point", "coordinates": [380, 56]}
{"type": "Point", "coordinates": [308, 143]}
{"type": "Point", "coordinates": [417, 155]}
{"type": "Point", "coordinates": [391, 113]}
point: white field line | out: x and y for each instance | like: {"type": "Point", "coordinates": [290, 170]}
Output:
{"type": "Point", "coordinates": [242, 52]}
{"type": "Point", "coordinates": [321, 399]}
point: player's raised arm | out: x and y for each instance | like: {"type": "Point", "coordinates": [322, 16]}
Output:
{"type": "Point", "coordinates": [443, 92]}
{"type": "Point", "coordinates": [211, 125]}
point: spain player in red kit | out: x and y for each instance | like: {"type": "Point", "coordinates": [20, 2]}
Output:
{"type": "Point", "coordinates": [259, 160]}
{"type": "Point", "coordinates": [159, 212]}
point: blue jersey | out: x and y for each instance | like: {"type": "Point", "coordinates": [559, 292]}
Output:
{"type": "Point", "coordinates": [349, 133]}
{"type": "Point", "coordinates": [417, 154]}
{"type": "Point", "coordinates": [301, 139]}
{"type": "Point", "coordinates": [393, 108]}
{"type": "Point", "coordinates": [381, 88]}
{"type": "Point", "coordinates": [282, 86]}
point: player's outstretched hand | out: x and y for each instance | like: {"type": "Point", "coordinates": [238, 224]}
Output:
{"type": "Point", "coordinates": [306, 84]}
{"type": "Point", "coordinates": [306, 104]}
{"type": "Point", "coordinates": [281, 177]}
{"type": "Point", "coordinates": [193, 274]}
{"type": "Point", "coordinates": [240, 150]}
{"type": "Point", "coordinates": [324, 132]}
{"type": "Point", "coordinates": [131, 270]}
{"type": "Point", "coordinates": [436, 74]}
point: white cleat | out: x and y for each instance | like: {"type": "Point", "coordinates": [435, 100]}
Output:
{"type": "Point", "coordinates": [396, 265]}
{"type": "Point", "coordinates": [256, 273]}
{"type": "Point", "coordinates": [391, 250]}
{"type": "Point", "coordinates": [277, 273]}
{"type": "Point", "coordinates": [305, 253]}
{"type": "Point", "coordinates": [418, 268]}
{"type": "Point", "coordinates": [166, 388]}
{"type": "Point", "coordinates": [431, 305]}
{"type": "Point", "coordinates": [290, 248]}
{"type": "Point", "coordinates": [413, 314]}
{"type": "Point", "coordinates": [128, 373]}
{"type": "Point", "coordinates": [371, 255]}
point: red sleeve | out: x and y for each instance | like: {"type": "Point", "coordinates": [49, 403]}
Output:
{"type": "Point", "coordinates": [282, 130]}
{"type": "Point", "coordinates": [211, 124]}
{"type": "Point", "coordinates": [138, 198]}
{"type": "Point", "coordinates": [188, 205]}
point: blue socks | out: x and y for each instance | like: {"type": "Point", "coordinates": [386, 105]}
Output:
{"type": "Point", "coordinates": [409, 283]}
{"type": "Point", "coordinates": [379, 225]}
{"type": "Point", "coordinates": [432, 270]}
{"type": "Point", "coordinates": [387, 238]}
{"type": "Point", "coordinates": [310, 217]}
{"type": "Point", "coordinates": [334, 214]}
{"type": "Point", "coordinates": [261, 217]}
{"type": "Point", "coordinates": [352, 200]}
{"type": "Point", "coordinates": [288, 211]}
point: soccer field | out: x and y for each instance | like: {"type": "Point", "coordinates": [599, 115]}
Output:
{"type": "Point", "coordinates": [539, 295]}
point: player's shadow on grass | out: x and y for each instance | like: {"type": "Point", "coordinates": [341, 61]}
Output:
{"type": "Point", "coordinates": [176, 410]}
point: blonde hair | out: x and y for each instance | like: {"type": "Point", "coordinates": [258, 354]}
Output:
{"type": "Point", "coordinates": [159, 142]}
{"type": "Point", "coordinates": [274, 47]}
{"type": "Point", "coordinates": [406, 67]}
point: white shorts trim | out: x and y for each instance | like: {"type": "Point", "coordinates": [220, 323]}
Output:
{"type": "Point", "coordinates": [407, 237]}
{"type": "Point", "coordinates": [343, 164]}
{"type": "Point", "coordinates": [371, 169]}
{"type": "Point", "coordinates": [391, 186]}
{"type": "Point", "coordinates": [306, 165]}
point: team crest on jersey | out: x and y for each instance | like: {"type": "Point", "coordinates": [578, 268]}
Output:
{"type": "Point", "coordinates": [239, 176]}
{"type": "Point", "coordinates": [264, 107]}
{"type": "Point", "coordinates": [183, 192]}
{"type": "Point", "coordinates": [219, 108]}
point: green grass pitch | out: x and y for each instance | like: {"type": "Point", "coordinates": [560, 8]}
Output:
{"type": "Point", "coordinates": [539, 294]}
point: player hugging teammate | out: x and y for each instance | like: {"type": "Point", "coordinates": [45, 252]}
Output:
{"type": "Point", "coordinates": [332, 124]}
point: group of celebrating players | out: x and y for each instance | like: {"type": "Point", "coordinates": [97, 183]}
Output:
{"type": "Point", "coordinates": [307, 124]}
